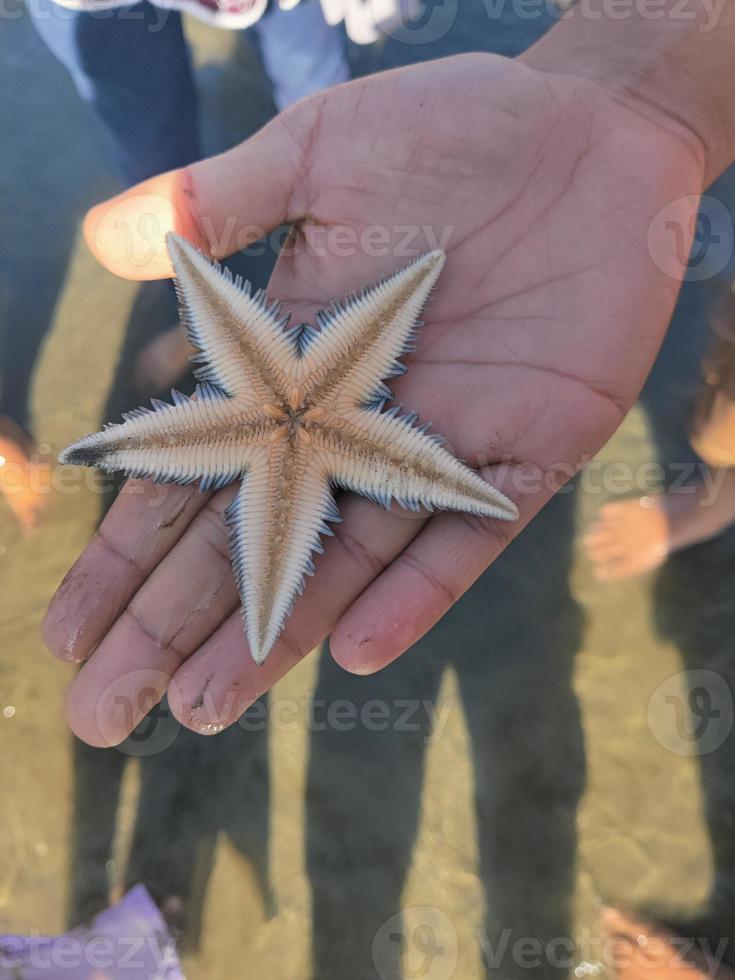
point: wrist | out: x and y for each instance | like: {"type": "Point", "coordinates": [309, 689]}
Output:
{"type": "Point", "coordinates": [677, 68]}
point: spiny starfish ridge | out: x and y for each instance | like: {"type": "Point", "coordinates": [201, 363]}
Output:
{"type": "Point", "coordinates": [290, 413]}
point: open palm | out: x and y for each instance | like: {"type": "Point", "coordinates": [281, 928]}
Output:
{"type": "Point", "coordinates": [544, 192]}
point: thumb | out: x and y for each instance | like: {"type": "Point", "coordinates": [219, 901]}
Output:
{"type": "Point", "coordinates": [221, 204]}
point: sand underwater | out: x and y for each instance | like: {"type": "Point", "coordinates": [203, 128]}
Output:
{"type": "Point", "coordinates": [554, 742]}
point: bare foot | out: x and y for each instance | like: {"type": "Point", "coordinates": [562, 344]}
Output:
{"type": "Point", "coordinates": [631, 537]}
{"type": "Point", "coordinates": [24, 475]}
{"type": "Point", "coordinates": [639, 950]}
{"type": "Point", "coordinates": [163, 361]}
{"type": "Point", "coordinates": [628, 538]}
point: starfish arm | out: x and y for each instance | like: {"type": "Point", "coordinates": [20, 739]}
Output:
{"type": "Point", "coordinates": [246, 351]}
{"type": "Point", "coordinates": [384, 457]}
{"type": "Point", "coordinates": [361, 338]}
{"type": "Point", "coordinates": [208, 438]}
{"type": "Point", "coordinates": [277, 519]}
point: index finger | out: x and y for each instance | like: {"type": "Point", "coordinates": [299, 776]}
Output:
{"type": "Point", "coordinates": [142, 526]}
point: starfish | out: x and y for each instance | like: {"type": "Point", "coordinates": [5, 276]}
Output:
{"type": "Point", "coordinates": [291, 413]}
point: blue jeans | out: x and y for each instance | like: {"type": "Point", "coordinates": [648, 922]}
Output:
{"type": "Point", "coordinates": [132, 66]}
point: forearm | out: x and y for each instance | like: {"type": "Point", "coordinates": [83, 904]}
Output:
{"type": "Point", "coordinates": [675, 58]}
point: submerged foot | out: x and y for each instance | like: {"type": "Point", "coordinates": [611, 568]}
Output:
{"type": "Point", "coordinates": [163, 361]}
{"type": "Point", "coordinates": [24, 475]}
{"type": "Point", "coordinates": [641, 950]}
{"type": "Point", "coordinates": [631, 537]}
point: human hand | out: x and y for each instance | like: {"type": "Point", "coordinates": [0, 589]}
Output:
{"type": "Point", "coordinates": [543, 191]}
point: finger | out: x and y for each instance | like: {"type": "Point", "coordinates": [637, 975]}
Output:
{"type": "Point", "coordinates": [184, 600]}
{"type": "Point", "coordinates": [222, 204]}
{"type": "Point", "coordinates": [220, 681]}
{"type": "Point", "coordinates": [425, 580]}
{"type": "Point", "coordinates": [133, 666]}
{"type": "Point", "coordinates": [141, 527]}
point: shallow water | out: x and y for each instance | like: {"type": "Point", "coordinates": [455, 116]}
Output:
{"type": "Point", "coordinates": [552, 780]}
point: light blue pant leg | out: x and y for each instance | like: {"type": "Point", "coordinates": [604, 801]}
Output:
{"type": "Point", "coordinates": [301, 53]}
